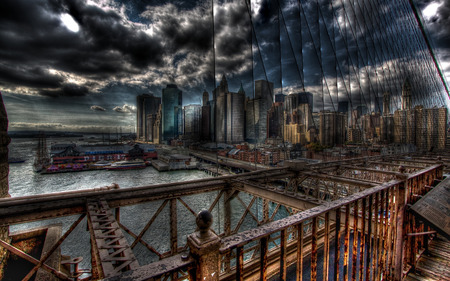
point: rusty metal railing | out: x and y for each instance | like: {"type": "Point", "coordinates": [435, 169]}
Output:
{"type": "Point", "coordinates": [360, 235]}
{"type": "Point", "coordinates": [369, 229]}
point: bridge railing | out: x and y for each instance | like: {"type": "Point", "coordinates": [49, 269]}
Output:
{"type": "Point", "coordinates": [360, 235]}
{"type": "Point", "coordinates": [318, 241]}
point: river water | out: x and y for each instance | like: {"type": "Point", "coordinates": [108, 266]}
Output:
{"type": "Point", "coordinates": [23, 181]}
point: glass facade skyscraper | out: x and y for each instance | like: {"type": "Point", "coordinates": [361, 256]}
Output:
{"type": "Point", "coordinates": [171, 100]}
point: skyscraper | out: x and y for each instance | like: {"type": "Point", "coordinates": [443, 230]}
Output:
{"type": "Point", "coordinates": [426, 128]}
{"type": "Point", "coordinates": [275, 121]}
{"type": "Point", "coordinates": [306, 97]}
{"type": "Point", "coordinates": [229, 113]}
{"type": "Point", "coordinates": [192, 120]}
{"type": "Point", "coordinates": [146, 110]}
{"type": "Point", "coordinates": [205, 98]}
{"type": "Point", "coordinates": [298, 119]}
{"type": "Point", "coordinates": [171, 111]}
{"type": "Point", "coordinates": [386, 103]}
{"type": "Point", "coordinates": [205, 125]}
{"type": "Point", "coordinates": [256, 111]}
{"type": "Point", "coordinates": [332, 128]}
{"type": "Point", "coordinates": [406, 95]}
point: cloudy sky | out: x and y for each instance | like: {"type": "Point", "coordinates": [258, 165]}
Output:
{"type": "Point", "coordinates": [78, 65]}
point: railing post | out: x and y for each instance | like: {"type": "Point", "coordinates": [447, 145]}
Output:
{"type": "Point", "coordinates": [204, 247]}
{"type": "Point", "coordinates": [173, 227]}
{"type": "Point", "coordinates": [227, 224]}
{"type": "Point", "coordinates": [440, 170]}
{"type": "Point", "coordinates": [4, 171]}
{"type": "Point", "coordinates": [399, 239]}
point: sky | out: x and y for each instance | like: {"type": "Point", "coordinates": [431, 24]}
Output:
{"type": "Point", "coordinates": [78, 65]}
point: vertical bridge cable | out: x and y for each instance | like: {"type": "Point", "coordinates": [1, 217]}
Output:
{"type": "Point", "coordinates": [430, 49]}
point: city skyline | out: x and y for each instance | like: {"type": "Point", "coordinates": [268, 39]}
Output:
{"type": "Point", "coordinates": [79, 65]}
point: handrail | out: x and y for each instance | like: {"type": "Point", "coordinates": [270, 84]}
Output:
{"type": "Point", "coordinates": [245, 237]}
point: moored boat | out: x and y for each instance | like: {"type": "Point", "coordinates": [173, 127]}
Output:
{"type": "Point", "coordinates": [127, 165]}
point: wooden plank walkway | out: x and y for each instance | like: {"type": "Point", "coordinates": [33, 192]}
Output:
{"type": "Point", "coordinates": [434, 265]}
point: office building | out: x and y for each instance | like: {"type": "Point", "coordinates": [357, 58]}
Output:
{"type": "Point", "coordinates": [275, 117]}
{"type": "Point", "coordinates": [406, 95]}
{"type": "Point", "coordinates": [205, 126]}
{"type": "Point", "coordinates": [147, 107]}
{"type": "Point", "coordinates": [192, 116]}
{"type": "Point", "coordinates": [256, 111]}
{"type": "Point", "coordinates": [426, 128]}
{"type": "Point", "coordinates": [229, 113]}
{"type": "Point", "coordinates": [386, 104]}
{"type": "Point", "coordinates": [171, 112]}
{"type": "Point", "coordinates": [331, 128]}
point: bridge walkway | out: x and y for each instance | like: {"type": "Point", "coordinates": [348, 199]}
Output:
{"type": "Point", "coordinates": [434, 264]}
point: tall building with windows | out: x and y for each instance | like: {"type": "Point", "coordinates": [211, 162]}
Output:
{"type": "Point", "coordinates": [426, 128]}
{"type": "Point", "coordinates": [275, 117]}
{"type": "Point", "coordinates": [256, 111]}
{"type": "Point", "coordinates": [298, 118]}
{"type": "Point", "coordinates": [192, 116]}
{"type": "Point", "coordinates": [157, 126]}
{"type": "Point", "coordinates": [331, 128]}
{"type": "Point", "coordinates": [406, 95]}
{"type": "Point", "coordinates": [147, 107]}
{"type": "Point", "coordinates": [171, 112]}
{"type": "Point", "coordinates": [229, 113]}
{"type": "Point", "coordinates": [386, 104]}
{"type": "Point", "coordinates": [205, 126]}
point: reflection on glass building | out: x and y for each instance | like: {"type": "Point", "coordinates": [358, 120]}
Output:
{"type": "Point", "coordinates": [171, 102]}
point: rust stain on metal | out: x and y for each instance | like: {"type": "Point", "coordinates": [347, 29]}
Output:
{"type": "Point", "coordinates": [283, 261]}
{"type": "Point", "coordinates": [326, 246]}
{"type": "Point", "coordinates": [263, 259]}
{"type": "Point", "coordinates": [355, 240]}
{"type": "Point", "coordinates": [337, 244]}
{"type": "Point", "coordinates": [173, 227]}
{"type": "Point", "coordinates": [314, 248]}
{"type": "Point", "coordinates": [369, 237]}
{"type": "Point", "coordinates": [346, 240]}
{"type": "Point", "coordinates": [300, 252]}
{"type": "Point", "coordinates": [240, 264]}
{"type": "Point", "coordinates": [363, 239]}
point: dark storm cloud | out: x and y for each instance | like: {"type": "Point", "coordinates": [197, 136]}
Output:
{"type": "Point", "coordinates": [34, 40]}
{"type": "Point", "coordinates": [183, 29]}
{"type": "Point", "coordinates": [438, 25]}
{"type": "Point", "coordinates": [33, 76]}
{"type": "Point", "coordinates": [268, 11]}
{"type": "Point", "coordinates": [66, 90]}
{"type": "Point", "coordinates": [104, 31]}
